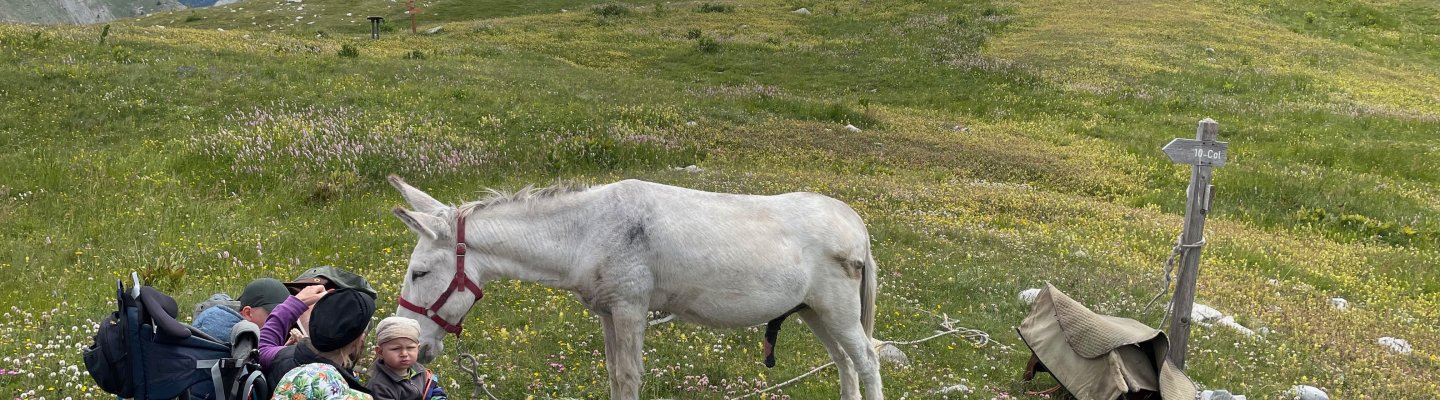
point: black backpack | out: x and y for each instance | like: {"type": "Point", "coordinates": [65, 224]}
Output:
{"type": "Point", "coordinates": [142, 352]}
{"type": "Point", "coordinates": [108, 359]}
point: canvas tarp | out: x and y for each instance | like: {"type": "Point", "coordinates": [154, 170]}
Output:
{"type": "Point", "coordinates": [1100, 357]}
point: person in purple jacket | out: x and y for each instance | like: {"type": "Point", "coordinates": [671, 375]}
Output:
{"type": "Point", "coordinates": [282, 318]}
{"type": "Point", "coordinates": [287, 332]}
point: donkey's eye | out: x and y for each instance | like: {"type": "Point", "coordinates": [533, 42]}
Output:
{"type": "Point", "coordinates": [418, 274]}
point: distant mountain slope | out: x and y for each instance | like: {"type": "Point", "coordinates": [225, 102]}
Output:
{"type": "Point", "coordinates": [83, 11]}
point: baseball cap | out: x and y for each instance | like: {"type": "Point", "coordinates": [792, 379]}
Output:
{"type": "Point", "coordinates": [264, 293]}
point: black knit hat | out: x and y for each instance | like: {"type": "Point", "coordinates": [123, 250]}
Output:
{"type": "Point", "coordinates": [339, 318]}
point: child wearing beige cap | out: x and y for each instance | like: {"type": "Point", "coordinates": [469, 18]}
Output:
{"type": "Point", "coordinates": [396, 375]}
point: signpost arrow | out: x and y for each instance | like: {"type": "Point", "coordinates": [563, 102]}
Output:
{"type": "Point", "coordinates": [1197, 152]}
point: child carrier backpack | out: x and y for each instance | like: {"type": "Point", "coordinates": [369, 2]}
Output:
{"type": "Point", "coordinates": [142, 352]}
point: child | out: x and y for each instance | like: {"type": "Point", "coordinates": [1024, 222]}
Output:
{"type": "Point", "coordinates": [396, 375]}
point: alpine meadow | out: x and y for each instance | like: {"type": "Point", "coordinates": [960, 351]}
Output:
{"type": "Point", "coordinates": [989, 146]}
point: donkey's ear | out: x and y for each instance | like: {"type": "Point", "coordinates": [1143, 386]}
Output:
{"type": "Point", "coordinates": [418, 200]}
{"type": "Point", "coordinates": [428, 226]}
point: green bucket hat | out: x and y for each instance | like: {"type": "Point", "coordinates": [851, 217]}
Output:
{"type": "Point", "coordinates": [332, 278]}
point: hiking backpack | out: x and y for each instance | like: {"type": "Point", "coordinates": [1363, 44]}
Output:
{"type": "Point", "coordinates": [142, 352]}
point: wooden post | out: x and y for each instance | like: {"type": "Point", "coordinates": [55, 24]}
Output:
{"type": "Point", "coordinates": [1204, 153]}
{"type": "Point", "coordinates": [410, 9]}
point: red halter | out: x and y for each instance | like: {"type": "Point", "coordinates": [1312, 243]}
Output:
{"type": "Point", "coordinates": [459, 283]}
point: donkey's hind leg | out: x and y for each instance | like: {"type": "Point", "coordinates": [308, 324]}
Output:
{"type": "Point", "coordinates": [856, 343]}
{"type": "Point", "coordinates": [849, 384]}
{"type": "Point", "coordinates": [843, 323]}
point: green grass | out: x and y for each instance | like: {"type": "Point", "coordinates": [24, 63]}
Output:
{"type": "Point", "coordinates": [1002, 145]}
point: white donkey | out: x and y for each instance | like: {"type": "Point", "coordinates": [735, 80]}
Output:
{"type": "Point", "coordinates": [626, 248]}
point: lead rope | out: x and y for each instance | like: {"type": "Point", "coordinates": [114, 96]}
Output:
{"type": "Point", "coordinates": [1175, 254]}
{"type": "Point", "coordinates": [471, 365]}
{"type": "Point", "coordinates": [977, 337]}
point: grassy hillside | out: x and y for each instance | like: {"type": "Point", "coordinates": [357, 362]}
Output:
{"type": "Point", "coordinates": [1001, 145]}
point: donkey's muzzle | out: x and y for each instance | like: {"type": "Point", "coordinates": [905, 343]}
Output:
{"type": "Point", "coordinates": [427, 354]}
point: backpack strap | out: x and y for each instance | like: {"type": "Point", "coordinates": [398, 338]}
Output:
{"type": "Point", "coordinates": [248, 392]}
{"type": "Point", "coordinates": [429, 377]}
{"type": "Point", "coordinates": [214, 367]}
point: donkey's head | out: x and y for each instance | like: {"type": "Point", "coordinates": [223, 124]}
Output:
{"type": "Point", "coordinates": [432, 293]}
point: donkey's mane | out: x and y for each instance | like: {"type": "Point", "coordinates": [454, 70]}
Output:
{"type": "Point", "coordinates": [525, 194]}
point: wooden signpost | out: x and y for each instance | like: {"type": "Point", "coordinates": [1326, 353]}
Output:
{"type": "Point", "coordinates": [1204, 153]}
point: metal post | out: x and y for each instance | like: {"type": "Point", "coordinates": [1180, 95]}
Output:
{"type": "Point", "coordinates": [375, 26]}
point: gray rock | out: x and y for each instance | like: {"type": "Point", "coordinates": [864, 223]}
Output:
{"type": "Point", "coordinates": [1219, 395]}
{"type": "Point", "coordinates": [1339, 303]}
{"type": "Point", "coordinates": [435, 30]}
{"type": "Point", "coordinates": [955, 389]}
{"type": "Point", "coordinates": [1203, 313]}
{"type": "Point", "coordinates": [1307, 392]}
{"type": "Point", "coordinates": [1028, 295]}
{"type": "Point", "coordinates": [802, 11]}
{"type": "Point", "coordinates": [1396, 345]}
{"type": "Point", "coordinates": [889, 353]}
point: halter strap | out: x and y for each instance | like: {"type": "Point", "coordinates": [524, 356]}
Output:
{"type": "Point", "coordinates": [461, 282]}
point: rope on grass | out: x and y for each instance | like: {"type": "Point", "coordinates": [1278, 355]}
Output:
{"type": "Point", "coordinates": [1169, 272]}
{"type": "Point", "coordinates": [978, 336]}
{"type": "Point", "coordinates": [470, 364]}
{"type": "Point", "coordinates": [785, 383]}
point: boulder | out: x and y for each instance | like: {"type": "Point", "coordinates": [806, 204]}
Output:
{"type": "Point", "coordinates": [962, 389]}
{"type": "Point", "coordinates": [1307, 392]}
{"type": "Point", "coordinates": [1399, 346]}
{"type": "Point", "coordinates": [1203, 313]}
{"type": "Point", "coordinates": [1028, 295]}
{"type": "Point", "coordinates": [889, 353]}
{"type": "Point", "coordinates": [1339, 303]}
{"type": "Point", "coordinates": [1229, 321]}
{"type": "Point", "coordinates": [1216, 395]}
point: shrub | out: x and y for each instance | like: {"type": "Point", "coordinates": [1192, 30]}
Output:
{"type": "Point", "coordinates": [720, 8]}
{"type": "Point", "coordinates": [39, 41]}
{"type": "Point", "coordinates": [349, 51]}
{"type": "Point", "coordinates": [692, 34]}
{"type": "Point", "coordinates": [415, 55]}
{"type": "Point", "coordinates": [338, 185]}
{"type": "Point", "coordinates": [708, 45]}
{"type": "Point", "coordinates": [611, 10]}
{"type": "Point", "coordinates": [595, 150]}
{"type": "Point", "coordinates": [122, 55]}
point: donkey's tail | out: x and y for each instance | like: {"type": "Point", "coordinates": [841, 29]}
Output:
{"type": "Point", "coordinates": [867, 296]}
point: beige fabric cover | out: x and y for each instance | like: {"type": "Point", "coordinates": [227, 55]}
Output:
{"type": "Point", "coordinates": [1100, 357]}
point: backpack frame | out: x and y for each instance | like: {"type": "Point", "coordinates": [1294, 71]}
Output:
{"type": "Point", "coordinates": [145, 354]}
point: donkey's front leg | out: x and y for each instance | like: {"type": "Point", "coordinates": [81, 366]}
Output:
{"type": "Point", "coordinates": [624, 349]}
